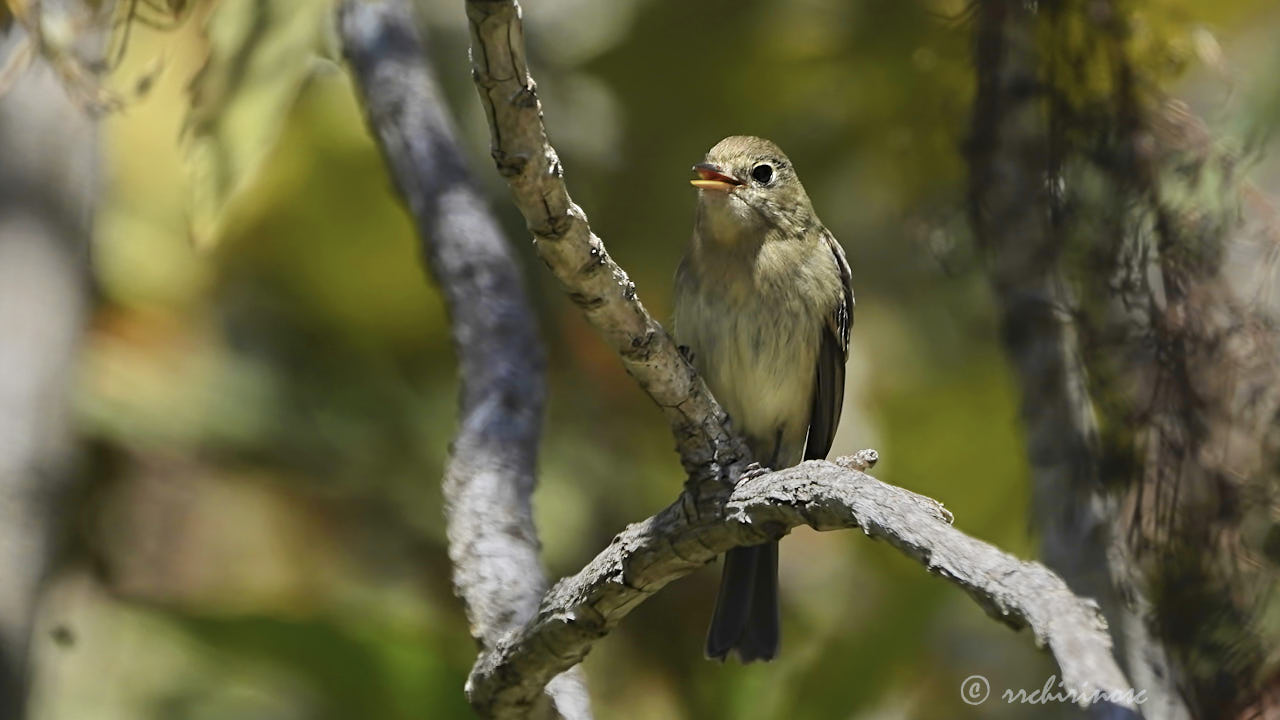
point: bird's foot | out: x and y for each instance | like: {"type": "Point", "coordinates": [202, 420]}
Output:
{"type": "Point", "coordinates": [686, 352]}
{"type": "Point", "coordinates": [754, 470]}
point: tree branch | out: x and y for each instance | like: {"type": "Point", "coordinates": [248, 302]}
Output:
{"type": "Point", "coordinates": [700, 525]}
{"type": "Point", "coordinates": [710, 452]}
{"type": "Point", "coordinates": [825, 496]}
{"type": "Point", "coordinates": [48, 181]}
{"type": "Point", "coordinates": [491, 469]}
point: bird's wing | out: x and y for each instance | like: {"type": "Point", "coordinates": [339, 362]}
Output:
{"type": "Point", "coordinates": [828, 386]}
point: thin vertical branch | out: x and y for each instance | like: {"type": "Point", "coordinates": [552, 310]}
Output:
{"type": "Point", "coordinates": [711, 452]}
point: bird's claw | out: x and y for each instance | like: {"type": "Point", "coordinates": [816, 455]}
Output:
{"type": "Point", "coordinates": [686, 352]}
{"type": "Point", "coordinates": [754, 470]}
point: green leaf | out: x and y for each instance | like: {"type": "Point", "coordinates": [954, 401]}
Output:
{"type": "Point", "coordinates": [261, 52]}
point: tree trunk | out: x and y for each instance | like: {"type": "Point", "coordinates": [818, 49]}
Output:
{"type": "Point", "coordinates": [47, 146]}
{"type": "Point", "coordinates": [1148, 386]}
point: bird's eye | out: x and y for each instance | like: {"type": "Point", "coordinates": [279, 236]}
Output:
{"type": "Point", "coordinates": [762, 173]}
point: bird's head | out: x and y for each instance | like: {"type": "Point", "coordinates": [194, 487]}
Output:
{"type": "Point", "coordinates": [748, 188]}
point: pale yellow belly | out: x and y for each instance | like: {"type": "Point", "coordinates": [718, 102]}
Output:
{"type": "Point", "coordinates": [759, 363]}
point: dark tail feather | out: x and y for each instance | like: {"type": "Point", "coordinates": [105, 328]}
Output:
{"type": "Point", "coordinates": [733, 603]}
{"type": "Point", "coordinates": [746, 614]}
{"type": "Point", "coordinates": [761, 636]}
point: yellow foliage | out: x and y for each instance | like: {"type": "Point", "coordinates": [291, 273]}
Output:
{"type": "Point", "coordinates": [260, 54]}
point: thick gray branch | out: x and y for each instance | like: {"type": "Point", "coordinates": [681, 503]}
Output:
{"type": "Point", "coordinates": [491, 469]}
{"type": "Point", "coordinates": [47, 181]}
{"type": "Point", "coordinates": [825, 496]}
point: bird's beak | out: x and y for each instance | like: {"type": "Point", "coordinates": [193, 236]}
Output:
{"type": "Point", "coordinates": [711, 177]}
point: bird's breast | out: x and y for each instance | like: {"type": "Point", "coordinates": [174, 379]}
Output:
{"type": "Point", "coordinates": [757, 350]}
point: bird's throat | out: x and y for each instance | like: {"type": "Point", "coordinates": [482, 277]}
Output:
{"type": "Point", "coordinates": [727, 222]}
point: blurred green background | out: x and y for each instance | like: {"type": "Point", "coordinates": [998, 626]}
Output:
{"type": "Point", "coordinates": [267, 390]}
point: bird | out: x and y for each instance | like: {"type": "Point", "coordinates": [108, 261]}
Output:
{"type": "Point", "coordinates": [763, 305]}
